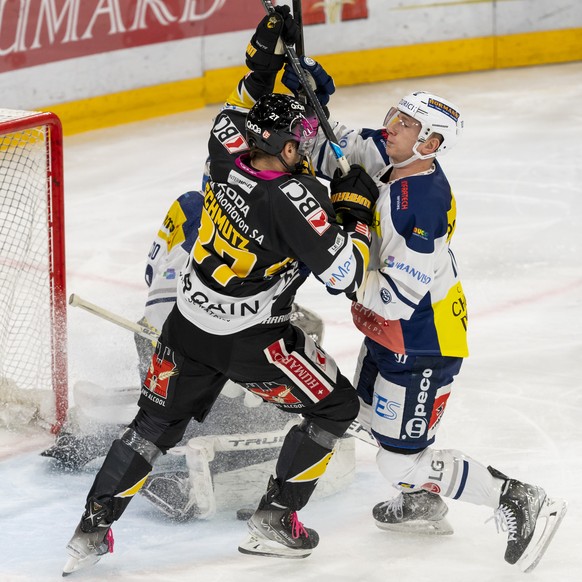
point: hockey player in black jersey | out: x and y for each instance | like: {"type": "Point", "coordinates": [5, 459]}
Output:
{"type": "Point", "coordinates": [265, 225]}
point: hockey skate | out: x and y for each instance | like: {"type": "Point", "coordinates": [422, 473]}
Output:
{"type": "Point", "coordinates": [86, 548]}
{"type": "Point", "coordinates": [419, 512]}
{"type": "Point", "coordinates": [276, 531]}
{"type": "Point", "coordinates": [92, 539]}
{"type": "Point", "coordinates": [530, 518]}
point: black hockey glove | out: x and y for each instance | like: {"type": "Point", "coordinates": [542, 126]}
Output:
{"type": "Point", "coordinates": [320, 81]}
{"type": "Point", "coordinates": [266, 52]}
{"type": "Point", "coordinates": [354, 195]}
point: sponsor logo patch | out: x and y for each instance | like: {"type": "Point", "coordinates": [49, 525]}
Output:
{"type": "Point", "coordinates": [241, 181]}
{"type": "Point", "coordinates": [338, 244]}
{"type": "Point", "coordinates": [307, 205]}
{"type": "Point", "coordinates": [431, 487]}
{"type": "Point", "coordinates": [277, 394]}
{"type": "Point", "coordinates": [226, 132]}
{"type": "Point", "coordinates": [319, 222]}
{"type": "Point", "coordinates": [385, 295]}
{"type": "Point", "coordinates": [160, 371]}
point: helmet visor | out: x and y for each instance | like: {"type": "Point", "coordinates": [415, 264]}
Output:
{"type": "Point", "coordinates": [395, 118]}
{"type": "Point", "coordinates": [305, 128]}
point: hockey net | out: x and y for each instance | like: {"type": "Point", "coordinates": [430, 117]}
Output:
{"type": "Point", "coordinates": [33, 360]}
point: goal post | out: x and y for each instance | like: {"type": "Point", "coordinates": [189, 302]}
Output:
{"type": "Point", "coordinates": [33, 317]}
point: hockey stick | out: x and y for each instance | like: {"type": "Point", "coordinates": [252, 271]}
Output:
{"type": "Point", "coordinates": [313, 101]}
{"type": "Point", "coordinates": [231, 442]}
{"type": "Point", "coordinates": [298, 16]}
{"type": "Point", "coordinates": [140, 330]}
{"type": "Point", "coordinates": [358, 431]}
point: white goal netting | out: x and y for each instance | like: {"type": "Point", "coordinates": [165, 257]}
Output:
{"type": "Point", "coordinates": [31, 269]}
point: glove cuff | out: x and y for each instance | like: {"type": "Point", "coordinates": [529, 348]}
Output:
{"type": "Point", "coordinates": [263, 61]}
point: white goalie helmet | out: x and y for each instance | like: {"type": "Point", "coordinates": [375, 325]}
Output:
{"type": "Point", "coordinates": [435, 115]}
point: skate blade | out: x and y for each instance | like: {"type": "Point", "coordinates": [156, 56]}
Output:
{"type": "Point", "coordinates": [424, 527]}
{"type": "Point", "coordinates": [76, 564]}
{"type": "Point", "coordinates": [550, 516]}
{"type": "Point", "coordinates": [262, 547]}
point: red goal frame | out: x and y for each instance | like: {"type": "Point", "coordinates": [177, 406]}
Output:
{"type": "Point", "coordinates": [56, 246]}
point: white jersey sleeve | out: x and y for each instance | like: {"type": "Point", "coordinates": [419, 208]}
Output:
{"type": "Point", "coordinates": [366, 147]}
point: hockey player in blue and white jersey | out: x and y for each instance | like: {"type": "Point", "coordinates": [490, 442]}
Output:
{"type": "Point", "coordinates": [413, 312]}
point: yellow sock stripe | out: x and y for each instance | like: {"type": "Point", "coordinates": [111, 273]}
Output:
{"type": "Point", "coordinates": [314, 472]}
{"type": "Point", "coordinates": [133, 489]}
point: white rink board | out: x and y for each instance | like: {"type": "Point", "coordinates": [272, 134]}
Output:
{"type": "Point", "coordinates": [390, 23]}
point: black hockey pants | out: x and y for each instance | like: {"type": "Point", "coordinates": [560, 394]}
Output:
{"type": "Point", "coordinates": [189, 369]}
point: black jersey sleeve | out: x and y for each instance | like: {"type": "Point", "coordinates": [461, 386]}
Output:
{"type": "Point", "coordinates": [306, 222]}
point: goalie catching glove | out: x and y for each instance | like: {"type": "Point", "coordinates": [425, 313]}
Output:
{"type": "Point", "coordinates": [354, 195]}
{"type": "Point", "coordinates": [266, 51]}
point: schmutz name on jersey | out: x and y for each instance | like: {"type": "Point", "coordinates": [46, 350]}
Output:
{"type": "Point", "coordinates": [234, 205]}
{"type": "Point", "coordinates": [219, 310]}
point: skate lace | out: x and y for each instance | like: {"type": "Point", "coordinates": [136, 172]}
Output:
{"type": "Point", "coordinates": [505, 522]}
{"type": "Point", "coordinates": [109, 541]}
{"type": "Point", "coordinates": [394, 506]}
{"type": "Point", "coordinates": [297, 529]}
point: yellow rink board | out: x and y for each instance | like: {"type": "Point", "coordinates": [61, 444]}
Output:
{"type": "Point", "coordinates": [349, 68]}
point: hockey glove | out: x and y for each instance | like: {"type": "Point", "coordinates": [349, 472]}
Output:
{"type": "Point", "coordinates": [353, 196]}
{"type": "Point", "coordinates": [321, 83]}
{"type": "Point", "coordinates": [266, 51]}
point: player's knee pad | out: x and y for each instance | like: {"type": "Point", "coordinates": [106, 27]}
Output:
{"type": "Point", "coordinates": [319, 435]}
{"type": "Point", "coordinates": [398, 468]}
{"type": "Point", "coordinates": [140, 445]}
{"type": "Point", "coordinates": [445, 472]}
{"type": "Point", "coordinates": [160, 433]}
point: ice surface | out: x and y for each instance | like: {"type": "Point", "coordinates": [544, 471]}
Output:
{"type": "Point", "coordinates": [517, 176]}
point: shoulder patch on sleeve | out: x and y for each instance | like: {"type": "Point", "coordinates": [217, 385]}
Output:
{"type": "Point", "coordinates": [227, 133]}
{"type": "Point", "coordinates": [418, 212]}
{"type": "Point", "coordinates": [306, 204]}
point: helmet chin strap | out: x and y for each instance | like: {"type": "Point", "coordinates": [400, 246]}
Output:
{"type": "Point", "coordinates": [298, 168]}
{"type": "Point", "coordinates": [415, 156]}
{"type": "Point", "coordinates": [287, 166]}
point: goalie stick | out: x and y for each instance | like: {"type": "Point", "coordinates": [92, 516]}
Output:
{"type": "Point", "coordinates": [141, 330]}
{"type": "Point", "coordinates": [313, 101]}
{"type": "Point", "coordinates": [355, 430]}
